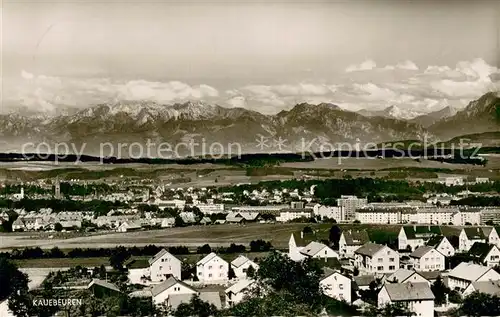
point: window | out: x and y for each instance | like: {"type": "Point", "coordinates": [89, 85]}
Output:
{"type": "Point", "coordinates": [380, 260]}
{"type": "Point", "coordinates": [209, 267]}
{"type": "Point", "coordinates": [210, 275]}
{"type": "Point", "coordinates": [220, 267]}
{"type": "Point", "coordinates": [380, 268]}
{"type": "Point", "coordinates": [341, 286]}
{"type": "Point", "coordinates": [392, 267]}
{"type": "Point", "coordinates": [161, 267]}
{"type": "Point", "coordinates": [391, 260]}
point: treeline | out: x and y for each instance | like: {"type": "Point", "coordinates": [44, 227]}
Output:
{"type": "Point", "coordinates": [149, 250]}
{"type": "Point", "coordinates": [477, 201]}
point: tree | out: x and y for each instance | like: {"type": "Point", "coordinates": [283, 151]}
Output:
{"type": "Point", "coordinates": [119, 256]}
{"type": "Point", "coordinates": [251, 272]}
{"type": "Point", "coordinates": [490, 223]}
{"type": "Point", "coordinates": [11, 279]}
{"type": "Point", "coordinates": [179, 222]}
{"type": "Point", "coordinates": [195, 307]}
{"type": "Point", "coordinates": [307, 230]}
{"type": "Point", "coordinates": [395, 310]}
{"type": "Point", "coordinates": [231, 273]}
{"type": "Point", "coordinates": [334, 236]}
{"type": "Point", "coordinates": [480, 304]}
{"type": "Point", "coordinates": [58, 227]}
{"type": "Point", "coordinates": [204, 249]}
{"type": "Point", "coordinates": [440, 291]}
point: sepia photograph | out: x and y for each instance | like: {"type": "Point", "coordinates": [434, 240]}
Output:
{"type": "Point", "coordinates": [249, 158]}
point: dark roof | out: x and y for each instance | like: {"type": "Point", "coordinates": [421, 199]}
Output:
{"type": "Point", "coordinates": [363, 280]}
{"type": "Point", "coordinates": [409, 291]}
{"type": "Point", "coordinates": [417, 232]}
{"type": "Point", "coordinates": [137, 264]}
{"type": "Point", "coordinates": [480, 250]}
{"type": "Point", "coordinates": [474, 233]}
{"type": "Point", "coordinates": [429, 275]}
{"type": "Point", "coordinates": [356, 237]}
{"type": "Point", "coordinates": [421, 251]}
{"type": "Point", "coordinates": [435, 241]}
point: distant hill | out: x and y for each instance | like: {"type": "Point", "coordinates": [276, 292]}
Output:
{"type": "Point", "coordinates": [429, 119]}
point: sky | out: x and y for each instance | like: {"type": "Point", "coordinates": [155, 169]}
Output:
{"type": "Point", "coordinates": [261, 55]}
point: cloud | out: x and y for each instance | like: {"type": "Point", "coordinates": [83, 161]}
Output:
{"type": "Point", "coordinates": [366, 65]}
{"type": "Point", "coordinates": [406, 65]}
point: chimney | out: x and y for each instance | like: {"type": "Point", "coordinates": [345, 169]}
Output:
{"type": "Point", "coordinates": [414, 228]}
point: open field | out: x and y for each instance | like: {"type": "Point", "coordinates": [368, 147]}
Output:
{"type": "Point", "coordinates": [216, 235]}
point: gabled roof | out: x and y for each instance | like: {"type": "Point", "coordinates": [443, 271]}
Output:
{"type": "Point", "coordinates": [159, 255]}
{"type": "Point", "coordinates": [356, 237]}
{"type": "Point", "coordinates": [468, 271]}
{"type": "Point", "coordinates": [474, 233]}
{"type": "Point", "coordinates": [171, 281]}
{"type": "Point", "coordinates": [137, 264]}
{"type": "Point", "coordinates": [363, 280]}
{"type": "Point", "coordinates": [429, 275]}
{"type": "Point", "coordinates": [104, 284]}
{"type": "Point", "coordinates": [313, 248]}
{"type": "Point", "coordinates": [400, 276]}
{"type": "Point", "coordinates": [487, 287]}
{"type": "Point", "coordinates": [409, 291]}
{"type": "Point", "coordinates": [369, 249]}
{"type": "Point", "coordinates": [327, 272]}
{"type": "Point", "coordinates": [435, 241]}
{"type": "Point", "coordinates": [419, 232]}
{"type": "Point", "coordinates": [241, 285]}
{"type": "Point", "coordinates": [480, 250]}
{"type": "Point", "coordinates": [207, 258]}
{"type": "Point", "coordinates": [239, 261]}
{"type": "Point", "coordinates": [421, 251]}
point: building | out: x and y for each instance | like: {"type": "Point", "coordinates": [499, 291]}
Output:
{"type": "Point", "coordinates": [411, 237]}
{"type": "Point", "coordinates": [329, 212]}
{"type": "Point", "coordinates": [318, 250]}
{"type": "Point", "coordinates": [237, 292]}
{"type": "Point", "coordinates": [287, 215]}
{"type": "Point", "coordinates": [164, 265]}
{"type": "Point", "coordinates": [243, 216]}
{"type": "Point", "coordinates": [209, 209]}
{"type": "Point", "coordinates": [100, 288]}
{"type": "Point", "coordinates": [212, 269]}
{"type": "Point", "coordinates": [402, 276]}
{"type": "Point", "coordinates": [138, 271]}
{"type": "Point", "coordinates": [294, 251]}
{"type": "Point", "coordinates": [350, 241]}
{"type": "Point", "coordinates": [241, 264]}
{"type": "Point", "coordinates": [374, 258]}
{"type": "Point", "coordinates": [486, 254]}
{"type": "Point", "coordinates": [378, 215]}
{"type": "Point", "coordinates": [427, 258]}
{"type": "Point", "coordinates": [453, 181]}
{"type": "Point", "coordinates": [466, 273]}
{"type": "Point", "coordinates": [18, 225]}
{"type": "Point", "coordinates": [470, 235]}
{"type": "Point", "coordinates": [491, 234]}
{"type": "Point", "coordinates": [486, 287]}
{"type": "Point", "coordinates": [350, 204]}
{"type": "Point", "coordinates": [489, 215]}
{"type": "Point", "coordinates": [336, 285]}
{"type": "Point", "coordinates": [442, 244]}
{"type": "Point", "coordinates": [163, 292]}
{"type": "Point", "coordinates": [416, 297]}
{"type": "Point", "coordinates": [128, 226]}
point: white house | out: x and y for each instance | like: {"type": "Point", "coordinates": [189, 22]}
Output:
{"type": "Point", "coordinates": [163, 265]}
{"type": "Point", "coordinates": [129, 226]}
{"type": "Point", "coordinates": [350, 241]}
{"type": "Point", "coordinates": [171, 287]}
{"type": "Point", "coordinates": [465, 273]}
{"type": "Point", "coordinates": [292, 214]}
{"type": "Point", "coordinates": [237, 292]}
{"type": "Point", "coordinates": [406, 276]}
{"type": "Point", "coordinates": [138, 271]}
{"type": "Point", "coordinates": [212, 269]}
{"type": "Point", "coordinates": [491, 235]}
{"type": "Point", "coordinates": [416, 297]}
{"type": "Point", "coordinates": [427, 259]}
{"type": "Point", "coordinates": [470, 235]}
{"type": "Point", "coordinates": [442, 244]}
{"type": "Point", "coordinates": [486, 287]}
{"type": "Point", "coordinates": [374, 258]}
{"type": "Point", "coordinates": [241, 264]}
{"type": "Point", "coordinates": [415, 236]}
{"type": "Point", "coordinates": [318, 250]}
{"type": "Point", "coordinates": [335, 285]}
{"type": "Point", "coordinates": [18, 225]}
{"type": "Point", "coordinates": [487, 254]}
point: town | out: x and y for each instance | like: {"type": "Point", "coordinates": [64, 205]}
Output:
{"type": "Point", "coordinates": [426, 256]}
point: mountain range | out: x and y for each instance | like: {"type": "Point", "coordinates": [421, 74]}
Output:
{"type": "Point", "coordinates": [305, 125]}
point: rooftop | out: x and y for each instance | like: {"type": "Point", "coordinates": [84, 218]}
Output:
{"type": "Point", "coordinates": [409, 291]}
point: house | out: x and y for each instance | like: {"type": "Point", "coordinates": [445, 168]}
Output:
{"type": "Point", "coordinates": [374, 258]}
{"type": "Point", "coordinates": [241, 264]}
{"type": "Point", "coordinates": [402, 276]}
{"type": "Point", "coordinates": [237, 292]}
{"type": "Point", "coordinates": [468, 236]}
{"type": "Point", "coordinates": [188, 216]}
{"type": "Point", "coordinates": [350, 241]}
{"type": "Point", "coordinates": [18, 225]}
{"type": "Point", "coordinates": [205, 221]}
{"type": "Point", "coordinates": [318, 250]}
{"type": "Point", "coordinates": [491, 234]}
{"type": "Point", "coordinates": [362, 282]}
{"type": "Point", "coordinates": [427, 259]}
{"type": "Point", "coordinates": [411, 237]}
{"type": "Point", "coordinates": [163, 292]}
{"type": "Point", "coordinates": [163, 265]}
{"type": "Point", "coordinates": [100, 288]}
{"type": "Point", "coordinates": [168, 222]}
{"type": "Point", "coordinates": [486, 287]}
{"type": "Point", "coordinates": [128, 226]}
{"type": "Point", "coordinates": [335, 285]}
{"type": "Point", "coordinates": [211, 297]}
{"type": "Point", "coordinates": [466, 273]}
{"type": "Point", "coordinates": [242, 217]}
{"type": "Point", "coordinates": [212, 269]}
{"type": "Point", "coordinates": [442, 244]}
{"type": "Point", "coordinates": [416, 297]}
{"type": "Point", "coordinates": [431, 276]}
{"type": "Point", "coordinates": [138, 271]}
{"type": "Point", "coordinates": [486, 254]}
